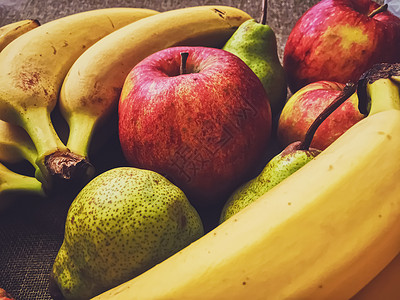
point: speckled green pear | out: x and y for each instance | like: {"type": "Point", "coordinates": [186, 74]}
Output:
{"type": "Point", "coordinates": [122, 223]}
{"type": "Point", "coordinates": [277, 169]}
{"type": "Point", "coordinates": [256, 45]}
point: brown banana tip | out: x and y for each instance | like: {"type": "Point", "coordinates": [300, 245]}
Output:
{"type": "Point", "coordinates": [377, 71]}
{"type": "Point", "coordinates": [68, 171]}
{"type": "Point", "coordinates": [68, 165]}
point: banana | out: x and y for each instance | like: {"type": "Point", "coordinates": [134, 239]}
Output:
{"type": "Point", "coordinates": [32, 69]}
{"type": "Point", "coordinates": [11, 31]}
{"type": "Point", "coordinates": [14, 184]}
{"type": "Point", "coordinates": [92, 86]}
{"type": "Point", "coordinates": [16, 145]}
{"type": "Point", "coordinates": [385, 286]}
{"type": "Point", "coordinates": [322, 233]}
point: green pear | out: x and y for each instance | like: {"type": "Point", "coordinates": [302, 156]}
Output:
{"type": "Point", "coordinates": [255, 43]}
{"type": "Point", "coordinates": [121, 223]}
{"type": "Point", "coordinates": [284, 164]}
{"type": "Point", "coordinates": [277, 169]}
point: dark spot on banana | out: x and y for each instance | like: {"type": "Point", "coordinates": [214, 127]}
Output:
{"type": "Point", "coordinates": [28, 80]}
{"type": "Point", "coordinates": [220, 13]}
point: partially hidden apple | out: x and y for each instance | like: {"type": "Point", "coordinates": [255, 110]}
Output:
{"type": "Point", "coordinates": [197, 115]}
{"type": "Point", "coordinates": [338, 40]}
{"type": "Point", "coordinates": [304, 106]}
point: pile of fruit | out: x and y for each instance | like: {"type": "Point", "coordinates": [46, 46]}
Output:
{"type": "Point", "coordinates": [297, 160]}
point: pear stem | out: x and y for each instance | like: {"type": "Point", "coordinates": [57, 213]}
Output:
{"type": "Point", "coordinates": [263, 19]}
{"type": "Point", "coordinates": [348, 90]}
{"type": "Point", "coordinates": [378, 10]}
{"type": "Point", "coordinates": [184, 56]}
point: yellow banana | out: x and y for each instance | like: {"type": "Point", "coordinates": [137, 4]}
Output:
{"type": "Point", "coordinates": [322, 233]}
{"type": "Point", "coordinates": [32, 69]}
{"type": "Point", "coordinates": [92, 87]}
{"type": "Point", "coordinates": [13, 185]}
{"type": "Point", "coordinates": [11, 31]}
{"type": "Point", "coordinates": [385, 286]}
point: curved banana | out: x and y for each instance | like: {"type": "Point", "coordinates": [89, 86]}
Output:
{"type": "Point", "coordinates": [92, 87]}
{"type": "Point", "coordinates": [32, 69]}
{"type": "Point", "coordinates": [11, 31]}
{"type": "Point", "coordinates": [322, 233]}
{"type": "Point", "coordinates": [385, 285]}
{"type": "Point", "coordinates": [14, 184]}
{"type": "Point", "coordinates": [15, 144]}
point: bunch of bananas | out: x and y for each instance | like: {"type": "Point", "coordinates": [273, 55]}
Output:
{"type": "Point", "coordinates": [272, 248]}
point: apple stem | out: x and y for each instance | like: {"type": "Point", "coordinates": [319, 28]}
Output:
{"type": "Point", "coordinates": [348, 90]}
{"type": "Point", "coordinates": [378, 10]}
{"type": "Point", "coordinates": [184, 56]}
{"type": "Point", "coordinates": [263, 19]}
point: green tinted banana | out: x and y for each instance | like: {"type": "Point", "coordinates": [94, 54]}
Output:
{"type": "Point", "coordinates": [322, 233]}
{"type": "Point", "coordinates": [33, 67]}
{"type": "Point", "coordinates": [92, 87]}
{"type": "Point", "coordinates": [13, 185]}
{"type": "Point", "coordinates": [11, 31]}
{"type": "Point", "coordinates": [15, 144]}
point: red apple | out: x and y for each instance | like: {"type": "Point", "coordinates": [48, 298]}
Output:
{"type": "Point", "coordinates": [337, 40]}
{"type": "Point", "coordinates": [205, 127]}
{"type": "Point", "coordinates": [305, 106]}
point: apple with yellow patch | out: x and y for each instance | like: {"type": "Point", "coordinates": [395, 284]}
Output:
{"type": "Point", "coordinates": [337, 40]}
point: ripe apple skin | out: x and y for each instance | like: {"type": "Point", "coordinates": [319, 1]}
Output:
{"type": "Point", "coordinates": [303, 107]}
{"type": "Point", "coordinates": [335, 40]}
{"type": "Point", "coordinates": [205, 131]}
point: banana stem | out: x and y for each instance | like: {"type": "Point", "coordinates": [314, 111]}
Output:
{"type": "Point", "coordinates": [37, 123]}
{"type": "Point", "coordinates": [80, 134]}
{"type": "Point", "coordinates": [26, 185]}
{"type": "Point", "coordinates": [31, 156]}
{"type": "Point", "coordinates": [12, 182]}
{"type": "Point", "coordinates": [384, 94]}
{"type": "Point", "coordinates": [54, 160]}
